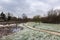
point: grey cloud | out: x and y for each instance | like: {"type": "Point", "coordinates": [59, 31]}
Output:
{"type": "Point", "coordinates": [29, 7]}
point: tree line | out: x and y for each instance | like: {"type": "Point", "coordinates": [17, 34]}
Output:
{"type": "Point", "coordinates": [53, 16]}
{"type": "Point", "coordinates": [8, 17]}
{"type": "Point", "coordinates": [3, 17]}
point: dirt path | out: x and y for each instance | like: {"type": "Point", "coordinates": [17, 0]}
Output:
{"type": "Point", "coordinates": [43, 30]}
{"type": "Point", "coordinates": [8, 25]}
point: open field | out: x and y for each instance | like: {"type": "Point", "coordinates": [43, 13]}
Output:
{"type": "Point", "coordinates": [29, 34]}
{"type": "Point", "coordinates": [54, 27]}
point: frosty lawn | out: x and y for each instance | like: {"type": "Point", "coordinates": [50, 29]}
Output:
{"type": "Point", "coordinates": [28, 34]}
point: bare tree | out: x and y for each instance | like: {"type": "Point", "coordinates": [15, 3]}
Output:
{"type": "Point", "coordinates": [9, 16]}
{"type": "Point", "coordinates": [24, 17]}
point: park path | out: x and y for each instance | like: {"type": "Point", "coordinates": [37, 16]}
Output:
{"type": "Point", "coordinates": [43, 30]}
{"type": "Point", "coordinates": [8, 25]}
{"type": "Point", "coordinates": [40, 30]}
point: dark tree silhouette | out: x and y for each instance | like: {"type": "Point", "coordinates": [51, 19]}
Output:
{"type": "Point", "coordinates": [9, 17]}
{"type": "Point", "coordinates": [36, 18]}
{"type": "Point", "coordinates": [3, 16]}
{"type": "Point", "coordinates": [52, 17]}
{"type": "Point", "coordinates": [24, 17]}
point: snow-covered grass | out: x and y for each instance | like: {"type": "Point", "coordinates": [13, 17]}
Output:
{"type": "Point", "coordinates": [54, 27]}
{"type": "Point", "coordinates": [28, 34]}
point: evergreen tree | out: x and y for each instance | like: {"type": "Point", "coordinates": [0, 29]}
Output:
{"type": "Point", "coordinates": [3, 16]}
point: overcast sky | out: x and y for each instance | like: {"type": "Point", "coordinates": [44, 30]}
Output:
{"type": "Point", "coordinates": [29, 7]}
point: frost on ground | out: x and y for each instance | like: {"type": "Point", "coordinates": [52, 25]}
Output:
{"type": "Point", "coordinates": [54, 27]}
{"type": "Point", "coordinates": [28, 34]}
